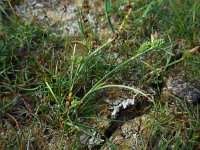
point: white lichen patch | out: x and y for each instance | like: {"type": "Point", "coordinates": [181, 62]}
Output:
{"type": "Point", "coordinates": [123, 105]}
{"type": "Point", "coordinates": [96, 139]}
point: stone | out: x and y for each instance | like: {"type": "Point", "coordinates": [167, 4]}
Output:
{"type": "Point", "coordinates": [130, 135]}
{"type": "Point", "coordinates": [186, 91]}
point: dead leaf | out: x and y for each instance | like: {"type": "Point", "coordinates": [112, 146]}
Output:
{"type": "Point", "coordinates": [195, 50]}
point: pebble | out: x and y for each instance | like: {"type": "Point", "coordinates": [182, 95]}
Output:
{"type": "Point", "coordinates": [187, 91]}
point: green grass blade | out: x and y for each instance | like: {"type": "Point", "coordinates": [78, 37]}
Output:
{"type": "Point", "coordinates": [13, 102]}
{"type": "Point", "coordinates": [108, 10]}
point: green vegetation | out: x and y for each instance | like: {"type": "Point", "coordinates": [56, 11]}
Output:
{"type": "Point", "coordinates": [48, 81]}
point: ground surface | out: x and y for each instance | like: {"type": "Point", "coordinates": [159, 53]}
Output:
{"type": "Point", "coordinates": [84, 75]}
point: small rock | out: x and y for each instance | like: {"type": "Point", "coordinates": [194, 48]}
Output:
{"type": "Point", "coordinates": [84, 139]}
{"type": "Point", "coordinates": [96, 139]}
{"type": "Point", "coordinates": [128, 136]}
{"type": "Point", "coordinates": [184, 90]}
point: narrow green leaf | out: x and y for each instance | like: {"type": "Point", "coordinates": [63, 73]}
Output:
{"type": "Point", "coordinates": [108, 10]}
{"type": "Point", "coordinates": [107, 6]}
{"type": "Point", "coordinates": [13, 102]}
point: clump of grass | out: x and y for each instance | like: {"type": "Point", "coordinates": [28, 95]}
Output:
{"type": "Point", "coordinates": [173, 126]}
{"type": "Point", "coordinates": [45, 79]}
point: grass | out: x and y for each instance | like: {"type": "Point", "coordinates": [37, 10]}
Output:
{"type": "Point", "coordinates": [176, 126]}
{"type": "Point", "coordinates": [52, 86]}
